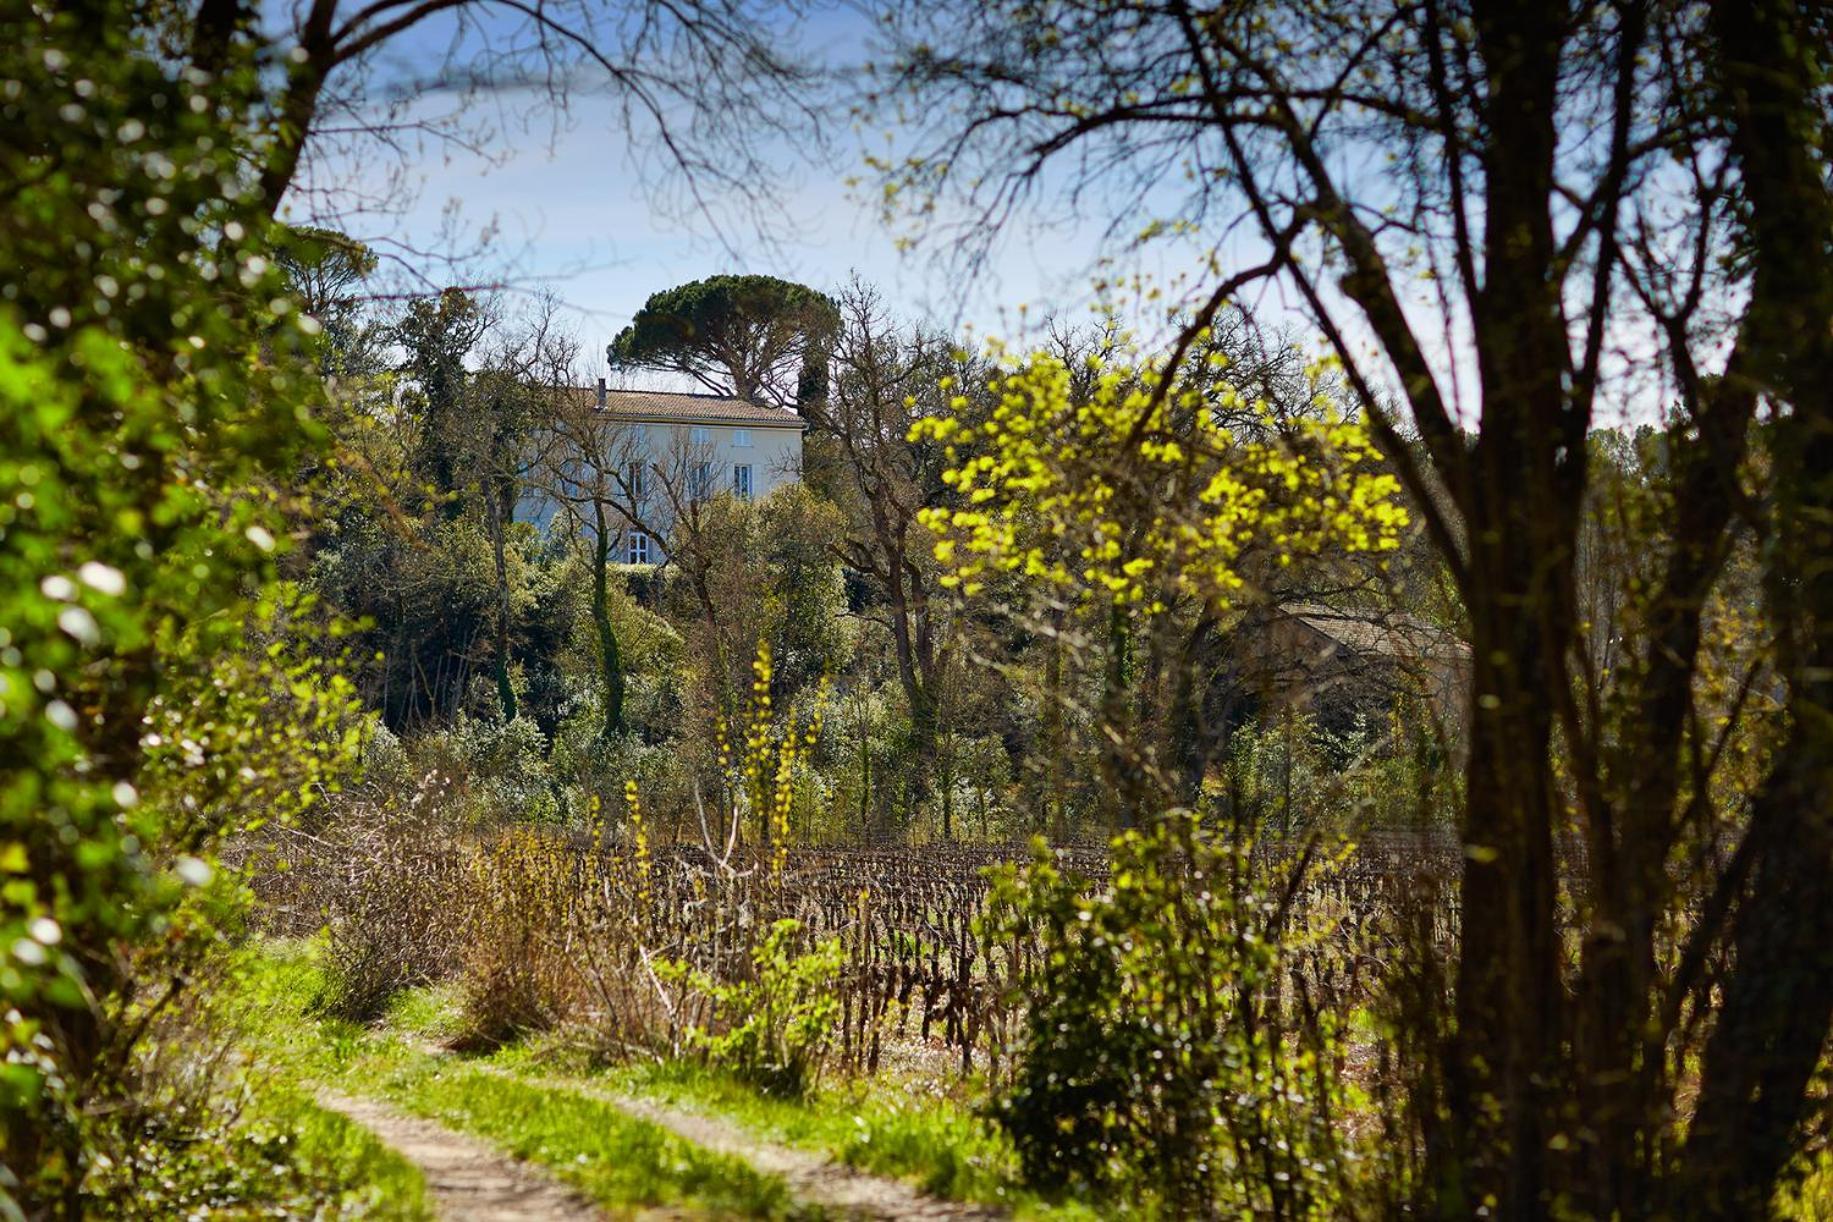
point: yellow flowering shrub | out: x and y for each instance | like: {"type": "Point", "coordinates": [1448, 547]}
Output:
{"type": "Point", "coordinates": [1138, 492]}
{"type": "Point", "coordinates": [775, 757]}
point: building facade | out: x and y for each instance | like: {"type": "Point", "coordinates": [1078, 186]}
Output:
{"type": "Point", "coordinates": [651, 457]}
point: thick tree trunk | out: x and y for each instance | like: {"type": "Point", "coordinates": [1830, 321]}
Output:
{"type": "Point", "coordinates": [1523, 525]}
{"type": "Point", "coordinates": [1509, 1016]}
{"type": "Point", "coordinates": [1777, 1008]}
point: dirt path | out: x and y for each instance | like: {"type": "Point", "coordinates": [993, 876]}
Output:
{"type": "Point", "coordinates": [813, 1179]}
{"type": "Point", "coordinates": [469, 1181]}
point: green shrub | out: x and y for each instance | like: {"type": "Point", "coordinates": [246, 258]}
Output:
{"type": "Point", "coordinates": [283, 1156]}
{"type": "Point", "coordinates": [1168, 1047]}
{"type": "Point", "coordinates": [388, 768]}
{"type": "Point", "coordinates": [497, 770]}
{"type": "Point", "coordinates": [776, 1029]}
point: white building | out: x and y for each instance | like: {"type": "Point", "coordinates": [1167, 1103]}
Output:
{"type": "Point", "coordinates": [653, 455]}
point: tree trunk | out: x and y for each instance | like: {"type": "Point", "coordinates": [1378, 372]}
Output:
{"type": "Point", "coordinates": [915, 656]}
{"type": "Point", "coordinates": [610, 657]}
{"type": "Point", "coordinates": [1529, 464]}
{"type": "Point", "coordinates": [505, 690]}
{"type": "Point", "coordinates": [1777, 1007]}
{"type": "Point", "coordinates": [1508, 991]}
{"type": "Point", "coordinates": [1122, 792]}
{"type": "Point", "coordinates": [1054, 743]}
{"type": "Point", "coordinates": [865, 785]}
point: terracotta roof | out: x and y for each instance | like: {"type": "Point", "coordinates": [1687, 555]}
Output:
{"type": "Point", "coordinates": [690, 408]}
{"type": "Point", "coordinates": [1391, 633]}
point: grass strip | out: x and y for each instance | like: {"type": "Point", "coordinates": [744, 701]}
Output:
{"type": "Point", "coordinates": [923, 1138]}
{"type": "Point", "coordinates": [371, 1178]}
{"type": "Point", "coordinates": [620, 1161]}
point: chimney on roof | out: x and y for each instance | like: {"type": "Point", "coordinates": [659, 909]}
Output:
{"type": "Point", "coordinates": [601, 394]}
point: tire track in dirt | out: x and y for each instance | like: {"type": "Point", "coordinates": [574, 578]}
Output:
{"type": "Point", "coordinates": [469, 1180]}
{"type": "Point", "coordinates": [814, 1179]}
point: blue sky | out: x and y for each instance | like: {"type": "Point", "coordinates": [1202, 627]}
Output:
{"type": "Point", "coordinates": [572, 206]}
{"type": "Point", "coordinates": [573, 203]}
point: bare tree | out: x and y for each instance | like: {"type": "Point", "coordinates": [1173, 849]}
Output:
{"type": "Point", "coordinates": [617, 478]}
{"type": "Point", "coordinates": [526, 370]}
{"type": "Point", "coordinates": [1507, 219]}
{"type": "Point", "coordinates": [589, 470]}
{"type": "Point", "coordinates": [880, 376]}
{"type": "Point", "coordinates": [702, 87]}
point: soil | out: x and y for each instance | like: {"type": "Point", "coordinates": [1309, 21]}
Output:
{"type": "Point", "coordinates": [837, 1189]}
{"type": "Point", "coordinates": [472, 1182]}
{"type": "Point", "coordinates": [468, 1180]}
{"type": "Point", "coordinates": [814, 1179]}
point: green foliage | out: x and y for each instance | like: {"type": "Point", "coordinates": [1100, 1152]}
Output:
{"type": "Point", "coordinates": [620, 1161]}
{"type": "Point", "coordinates": [283, 1157]}
{"type": "Point", "coordinates": [806, 600]}
{"type": "Point", "coordinates": [325, 271]}
{"type": "Point", "coordinates": [774, 1029]}
{"type": "Point", "coordinates": [438, 334]}
{"type": "Point", "coordinates": [1138, 489]}
{"type": "Point", "coordinates": [500, 769]}
{"type": "Point", "coordinates": [426, 605]}
{"type": "Point", "coordinates": [1807, 1195]}
{"type": "Point", "coordinates": [1290, 777]}
{"type": "Point", "coordinates": [744, 335]}
{"type": "Point", "coordinates": [1167, 1046]}
{"type": "Point", "coordinates": [154, 379]}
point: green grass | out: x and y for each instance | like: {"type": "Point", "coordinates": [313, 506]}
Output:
{"type": "Point", "coordinates": [283, 1156]}
{"type": "Point", "coordinates": [345, 1161]}
{"type": "Point", "coordinates": [1810, 1199]}
{"type": "Point", "coordinates": [619, 1160]}
{"type": "Point", "coordinates": [922, 1137]}
{"type": "Point", "coordinates": [259, 1146]}
{"type": "Point", "coordinates": [522, 1099]}
{"type": "Point", "coordinates": [430, 1013]}
{"type": "Point", "coordinates": [287, 1152]}
{"type": "Point", "coordinates": [622, 1162]}
{"type": "Point", "coordinates": [519, 1099]}
{"type": "Point", "coordinates": [929, 1140]}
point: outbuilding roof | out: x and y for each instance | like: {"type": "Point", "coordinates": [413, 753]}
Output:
{"type": "Point", "coordinates": [1390, 634]}
{"type": "Point", "coordinates": [675, 407]}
